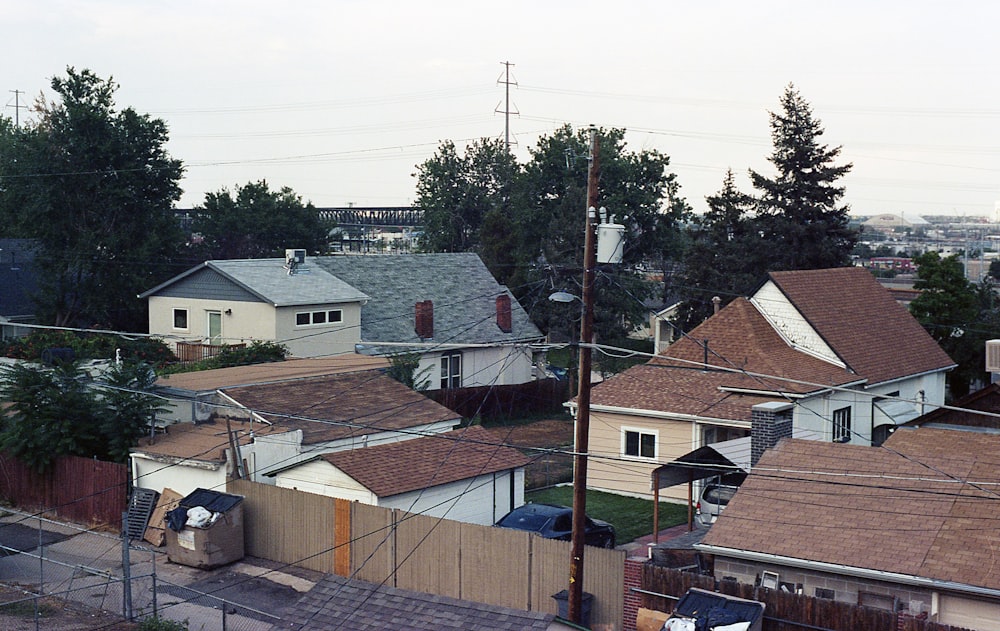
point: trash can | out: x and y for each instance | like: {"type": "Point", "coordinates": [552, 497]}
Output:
{"type": "Point", "coordinates": [586, 601]}
{"type": "Point", "coordinates": [206, 530]}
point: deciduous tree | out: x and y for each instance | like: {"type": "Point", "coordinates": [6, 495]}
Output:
{"type": "Point", "coordinates": [257, 222]}
{"type": "Point", "coordinates": [95, 187]}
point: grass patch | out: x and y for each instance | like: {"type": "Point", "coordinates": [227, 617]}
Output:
{"type": "Point", "coordinates": [632, 517]}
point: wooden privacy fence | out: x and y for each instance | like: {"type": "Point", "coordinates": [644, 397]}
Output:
{"type": "Point", "coordinates": [543, 396]}
{"type": "Point", "coordinates": [491, 565]}
{"type": "Point", "coordinates": [783, 611]}
{"type": "Point", "coordinates": [77, 489]}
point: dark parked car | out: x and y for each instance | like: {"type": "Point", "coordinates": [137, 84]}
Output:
{"type": "Point", "coordinates": [556, 522]}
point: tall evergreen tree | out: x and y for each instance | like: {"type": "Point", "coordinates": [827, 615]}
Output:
{"type": "Point", "coordinates": [798, 210]}
{"type": "Point", "coordinates": [723, 258]}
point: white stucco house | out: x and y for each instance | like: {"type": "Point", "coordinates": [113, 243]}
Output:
{"type": "Point", "coordinates": [302, 306]}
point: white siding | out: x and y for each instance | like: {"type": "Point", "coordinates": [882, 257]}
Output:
{"type": "Point", "coordinates": [493, 366]}
{"type": "Point", "coordinates": [151, 474]}
{"type": "Point", "coordinates": [790, 324]}
{"type": "Point", "coordinates": [481, 500]}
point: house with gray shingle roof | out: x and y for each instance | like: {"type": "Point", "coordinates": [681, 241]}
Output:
{"type": "Point", "coordinates": [341, 603]}
{"type": "Point", "coordinates": [912, 525]}
{"type": "Point", "coordinates": [833, 343]}
{"type": "Point", "coordinates": [463, 475]}
{"type": "Point", "coordinates": [468, 329]}
{"type": "Point", "coordinates": [304, 307]}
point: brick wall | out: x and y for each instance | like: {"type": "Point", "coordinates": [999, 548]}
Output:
{"type": "Point", "coordinates": [769, 423]}
{"type": "Point", "coordinates": [633, 600]}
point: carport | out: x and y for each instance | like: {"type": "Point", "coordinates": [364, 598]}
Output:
{"type": "Point", "coordinates": [717, 459]}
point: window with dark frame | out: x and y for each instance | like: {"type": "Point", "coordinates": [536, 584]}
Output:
{"type": "Point", "coordinates": [640, 444]}
{"type": "Point", "coordinates": [311, 318]}
{"type": "Point", "coordinates": [842, 425]}
{"type": "Point", "coordinates": [180, 319]}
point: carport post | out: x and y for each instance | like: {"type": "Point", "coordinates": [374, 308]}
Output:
{"type": "Point", "coordinates": [656, 506]}
{"type": "Point", "coordinates": [690, 500]}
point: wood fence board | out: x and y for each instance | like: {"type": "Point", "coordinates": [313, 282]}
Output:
{"type": "Point", "coordinates": [427, 555]}
{"type": "Point", "coordinates": [499, 579]}
{"type": "Point", "coordinates": [373, 542]}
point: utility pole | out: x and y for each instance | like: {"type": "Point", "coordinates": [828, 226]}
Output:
{"type": "Point", "coordinates": [578, 535]}
{"type": "Point", "coordinates": [504, 78]}
{"type": "Point", "coordinates": [17, 108]}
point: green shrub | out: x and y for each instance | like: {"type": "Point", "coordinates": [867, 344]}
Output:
{"type": "Point", "coordinates": [257, 352]}
{"type": "Point", "coordinates": [155, 623]}
{"type": "Point", "coordinates": [88, 346]}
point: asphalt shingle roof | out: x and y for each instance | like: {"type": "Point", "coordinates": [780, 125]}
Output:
{"type": "Point", "coordinates": [738, 338]}
{"type": "Point", "coordinates": [424, 462]}
{"type": "Point", "coordinates": [340, 603]}
{"type": "Point", "coordinates": [344, 405]}
{"type": "Point", "coordinates": [926, 505]}
{"type": "Point", "coordinates": [462, 289]}
{"type": "Point", "coordinates": [269, 280]}
{"type": "Point", "coordinates": [872, 333]}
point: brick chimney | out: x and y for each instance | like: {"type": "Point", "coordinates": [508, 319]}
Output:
{"type": "Point", "coordinates": [503, 313]}
{"type": "Point", "coordinates": [769, 423]}
{"type": "Point", "coordinates": [424, 319]}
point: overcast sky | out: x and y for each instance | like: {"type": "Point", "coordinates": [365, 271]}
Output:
{"type": "Point", "coordinates": [340, 100]}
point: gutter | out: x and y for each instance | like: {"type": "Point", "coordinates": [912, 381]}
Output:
{"type": "Point", "coordinates": [669, 416]}
{"type": "Point", "coordinates": [905, 377]}
{"type": "Point", "coordinates": [848, 570]}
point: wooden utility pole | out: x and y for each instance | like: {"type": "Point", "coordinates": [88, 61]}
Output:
{"type": "Point", "coordinates": [578, 536]}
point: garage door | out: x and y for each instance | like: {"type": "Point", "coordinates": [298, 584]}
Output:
{"type": "Point", "coordinates": [973, 614]}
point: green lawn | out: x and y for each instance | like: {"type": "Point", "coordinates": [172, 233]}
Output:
{"type": "Point", "coordinates": [632, 517]}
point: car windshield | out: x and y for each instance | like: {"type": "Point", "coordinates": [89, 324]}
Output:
{"type": "Point", "coordinates": [719, 494]}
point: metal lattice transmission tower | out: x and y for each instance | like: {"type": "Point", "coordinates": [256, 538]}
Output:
{"type": "Point", "coordinates": [505, 79]}
{"type": "Point", "coordinates": [17, 107]}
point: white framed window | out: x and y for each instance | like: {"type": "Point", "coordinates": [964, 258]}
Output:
{"type": "Point", "coordinates": [639, 443]}
{"type": "Point", "coordinates": [451, 370]}
{"type": "Point", "coordinates": [313, 318]}
{"type": "Point", "coordinates": [181, 319]}
{"type": "Point", "coordinates": [842, 425]}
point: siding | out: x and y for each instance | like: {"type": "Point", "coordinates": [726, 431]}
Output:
{"type": "Point", "coordinates": [787, 320]}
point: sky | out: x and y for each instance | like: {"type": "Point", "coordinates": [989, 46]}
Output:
{"type": "Point", "coordinates": [342, 100]}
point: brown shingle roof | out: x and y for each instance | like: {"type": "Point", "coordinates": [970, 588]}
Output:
{"type": "Point", "coordinates": [872, 333]}
{"type": "Point", "coordinates": [738, 338]}
{"type": "Point", "coordinates": [907, 508]}
{"type": "Point", "coordinates": [334, 407]}
{"type": "Point", "coordinates": [409, 465]}
{"type": "Point", "coordinates": [295, 368]}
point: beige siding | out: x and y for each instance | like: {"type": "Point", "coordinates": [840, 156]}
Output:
{"type": "Point", "coordinates": [249, 320]}
{"type": "Point", "coordinates": [319, 340]}
{"type": "Point", "coordinates": [609, 469]}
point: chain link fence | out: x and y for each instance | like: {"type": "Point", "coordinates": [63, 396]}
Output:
{"type": "Point", "coordinates": [41, 559]}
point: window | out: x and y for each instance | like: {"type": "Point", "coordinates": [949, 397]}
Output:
{"type": "Point", "coordinates": [310, 318]}
{"type": "Point", "coordinates": [181, 319]}
{"type": "Point", "coordinates": [639, 443]}
{"type": "Point", "coordinates": [451, 370]}
{"type": "Point", "coordinates": [842, 425]}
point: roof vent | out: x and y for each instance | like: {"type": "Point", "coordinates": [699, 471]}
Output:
{"type": "Point", "coordinates": [993, 356]}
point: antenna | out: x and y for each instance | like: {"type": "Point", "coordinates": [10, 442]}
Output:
{"type": "Point", "coordinates": [505, 79]}
{"type": "Point", "coordinates": [17, 107]}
